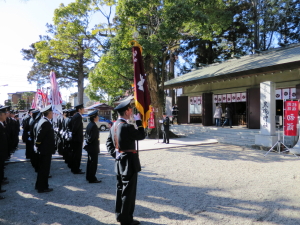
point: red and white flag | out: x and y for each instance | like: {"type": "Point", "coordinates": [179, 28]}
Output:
{"type": "Point", "coordinates": [55, 95]}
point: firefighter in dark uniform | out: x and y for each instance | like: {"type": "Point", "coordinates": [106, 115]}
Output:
{"type": "Point", "coordinates": [26, 133]}
{"type": "Point", "coordinates": [69, 138]}
{"type": "Point", "coordinates": [31, 138]}
{"type": "Point", "coordinates": [17, 130]}
{"type": "Point", "coordinates": [9, 126]}
{"type": "Point", "coordinates": [60, 124]}
{"type": "Point", "coordinates": [4, 146]}
{"type": "Point", "coordinates": [45, 146]}
{"type": "Point", "coordinates": [91, 145]}
{"type": "Point", "coordinates": [121, 145]}
{"type": "Point", "coordinates": [77, 140]}
{"type": "Point", "coordinates": [165, 128]}
{"type": "Point", "coordinates": [64, 133]}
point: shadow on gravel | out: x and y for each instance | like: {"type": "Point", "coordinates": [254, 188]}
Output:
{"type": "Point", "coordinates": [186, 202]}
{"type": "Point", "coordinates": [74, 201]}
{"type": "Point", "coordinates": [234, 152]}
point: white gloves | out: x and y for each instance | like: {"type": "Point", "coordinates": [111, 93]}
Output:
{"type": "Point", "coordinates": [118, 154]}
{"type": "Point", "coordinates": [35, 149]}
{"type": "Point", "coordinates": [137, 116]}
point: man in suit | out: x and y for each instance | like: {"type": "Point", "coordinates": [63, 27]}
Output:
{"type": "Point", "coordinates": [4, 146]}
{"type": "Point", "coordinates": [92, 147]}
{"type": "Point", "coordinates": [121, 145]}
{"type": "Point", "coordinates": [45, 146]}
{"type": "Point", "coordinates": [77, 139]}
{"type": "Point", "coordinates": [165, 128]}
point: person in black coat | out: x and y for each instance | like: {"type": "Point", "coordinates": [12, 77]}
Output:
{"type": "Point", "coordinates": [165, 128]}
{"type": "Point", "coordinates": [66, 130]}
{"type": "Point", "coordinates": [17, 131]}
{"type": "Point", "coordinates": [121, 145]}
{"type": "Point", "coordinates": [92, 147]}
{"type": "Point", "coordinates": [31, 138]}
{"type": "Point", "coordinates": [4, 146]}
{"type": "Point", "coordinates": [26, 133]}
{"type": "Point", "coordinates": [45, 146]}
{"type": "Point", "coordinates": [77, 140]}
{"type": "Point", "coordinates": [10, 131]}
{"type": "Point", "coordinates": [228, 116]}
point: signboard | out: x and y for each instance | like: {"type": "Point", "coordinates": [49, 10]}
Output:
{"type": "Point", "coordinates": [243, 97]}
{"type": "Point", "coordinates": [199, 100]}
{"type": "Point", "coordinates": [290, 118]}
{"type": "Point", "coordinates": [238, 97]}
{"type": "Point", "coordinates": [228, 97]}
{"type": "Point", "coordinates": [293, 93]}
{"type": "Point", "coordinates": [224, 98]}
{"type": "Point", "coordinates": [215, 98]}
{"type": "Point", "coordinates": [278, 94]}
{"type": "Point", "coordinates": [191, 100]}
{"type": "Point", "coordinates": [195, 100]}
{"type": "Point", "coordinates": [151, 123]}
{"type": "Point", "coordinates": [220, 98]}
{"type": "Point", "coordinates": [286, 93]}
{"type": "Point", "coordinates": [233, 97]}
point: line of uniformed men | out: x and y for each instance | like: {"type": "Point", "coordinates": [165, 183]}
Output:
{"type": "Point", "coordinates": [9, 139]}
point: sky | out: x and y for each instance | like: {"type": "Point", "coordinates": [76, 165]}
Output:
{"type": "Point", "coordinates": [21, 23]}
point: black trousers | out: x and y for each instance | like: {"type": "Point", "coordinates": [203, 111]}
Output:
{"type": "Point", "coordinates": [76, 156]}
{"type": "Point", "coordinates": [44, 164]}
{"type": "Point", "coordinates": [125, 197]}
{"type": "Point", "coordinates": [165, 136]}
{"type": "Point", "coordinates": [91, 166]}
{"type": "Point", "coordinates": [29, 149]}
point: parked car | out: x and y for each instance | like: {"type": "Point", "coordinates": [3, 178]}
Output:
{"type": "Point", "coordinates": [102, 119]}
{"type": "Point", "coordinates": [101, 125]}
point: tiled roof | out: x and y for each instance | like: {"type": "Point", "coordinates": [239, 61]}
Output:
{"type": "Point", "coordinates": [274, 57]}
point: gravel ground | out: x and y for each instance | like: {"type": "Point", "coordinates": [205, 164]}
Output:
{"type": "Point", "coordinates": [212, 184]}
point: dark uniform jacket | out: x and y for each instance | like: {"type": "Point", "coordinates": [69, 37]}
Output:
{"type": "Point", "coordinates": [166, 124]}
{"type": "Point", "coordinates": [4, 145]}
{"type": "Point", "coordinates": [92, 138]}
{"type": "Point", "coordinates": [77, 128]}
{"type": "Point", "coordinates": [26, 129]}
{"type": "Point", "coordinates": [45, 137]}
{"type": "Point", "coordinates": [126, 135]}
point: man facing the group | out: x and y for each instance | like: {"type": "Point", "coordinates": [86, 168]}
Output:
{"type": "Point", "coordinates": [121, 145]}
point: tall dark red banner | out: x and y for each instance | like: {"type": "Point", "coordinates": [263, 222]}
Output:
{"type": "Point", "coordinates": [141, 91]}
{"type": "Point", "coordinates": [290, 118]}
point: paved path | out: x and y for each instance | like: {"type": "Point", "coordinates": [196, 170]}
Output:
{"type": "Point", "coordinates": [147, 144]}
{"type": "Point", "coordinates": [202, 184]}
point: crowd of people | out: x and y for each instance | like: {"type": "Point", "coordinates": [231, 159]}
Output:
{"type": "Point", "coordinates": [9, 139]}
{"type": "Point", "coordinates": [43, 137]}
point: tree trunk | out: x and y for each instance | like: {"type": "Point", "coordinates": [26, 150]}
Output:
{"type": "Point", "coordinates": [156, 93]}
{"type": "Point", "coordinates": [172, 75]}
{"type": "Point", "coordinates": [80, 79]}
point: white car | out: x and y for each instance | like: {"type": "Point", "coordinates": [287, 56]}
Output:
{"type": "Point", "coordinates": [101, 125]}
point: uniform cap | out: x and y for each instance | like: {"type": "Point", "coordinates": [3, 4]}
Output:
{"type": "Point", "coordinates": [48, 108]}
{"type": "Point", "coordinates": [35, 111]}
{"type": "Point", "coordinates": [31, 110]}
{"type": "Point", "coordinates": [79, 106]}
{"type": "Point", "coordinates": [3, 109]}
{"type": "Point", "coordinates": [93, 114]}
{"type": "Point", "coordinates": [123, 104]}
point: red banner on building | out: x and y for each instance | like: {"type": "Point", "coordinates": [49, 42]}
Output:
{"type": "Point", "coordinates": [290, 118]}
{"type": "Point", "coordinates": [151, 123]}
